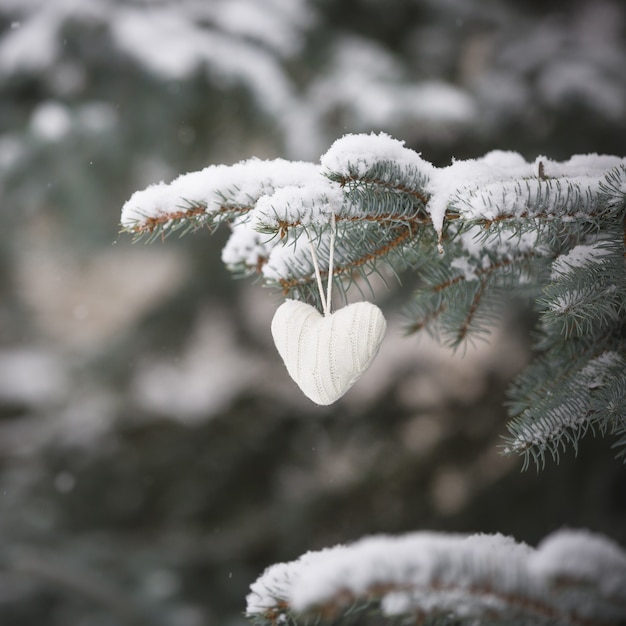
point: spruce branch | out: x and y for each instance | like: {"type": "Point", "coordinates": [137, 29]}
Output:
{"type": "Point", "coordinates": [187, 219]}
{"type": "Point", "coordinates": [572, 578]}
{"type": "Point", "coordinates": [346, 266]}
{"type": "Point", "coordinates": [586, 292]}
{"type": "Point", "coordinates": [478, 289]}
{"type": "Point", "coordinates": [478, 234]}
{"type": "Point", "coordinates": [559, 406]}
{"type": "Point", "coordinates": [213, 195]}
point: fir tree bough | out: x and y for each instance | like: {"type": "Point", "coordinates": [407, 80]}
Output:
{"type": "Point", "coordinates": [573, 578]}
{"type": "Point", "coordinates": [478, 233]}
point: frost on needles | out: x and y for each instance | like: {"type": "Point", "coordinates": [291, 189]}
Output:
{"type": "Point", "coordinates": [477, 232]}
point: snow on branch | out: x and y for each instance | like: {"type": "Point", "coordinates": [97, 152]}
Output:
{"type": "Point", "coordinates": [572, 578]}
{"type": "Point", "coordinates": [479, 234]}
{"type": "Point", "coordinates": [501, 185]}
{"type": "Point", "coordinates": [212, 195]}
{"type": "Point", "coordinates": [384, 192]}
{"type": "Point", "coordinates": [497, 186]}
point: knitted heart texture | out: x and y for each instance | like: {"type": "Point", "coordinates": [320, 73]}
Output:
{"type": "Point", "coordinates": [326, 354]}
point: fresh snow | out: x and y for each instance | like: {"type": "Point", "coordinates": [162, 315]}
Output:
{"type": "Point", "coordinates": [359, 153]}
{"type": "Point", "coordinates": [481, 188]}
{"type": "Point", "coordinates": [589, 559]}
{"type": "Point", "coordinates": [489, 186]}
{"type": "Point", "coordinates": [426, 571]}
{"type": "Point", "coordinates": [273, 193]}
{"type": "Point", "coordinates": [577, 257]}
{"type": "Point", "coordinates": [593, 375]}
{"type": "Point", "coordinates": [313, 204]}
{"type": "Point", "coordinates": [474, 246]}
{"type": "Point", "coordinates": [246, 245]}
{"type": "Point", "coordinates": [284, 259]}
{"type": "Point", "coordinates": [241, 184]}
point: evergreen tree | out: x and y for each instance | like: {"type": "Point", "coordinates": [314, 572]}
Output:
{"type": "Point", "coordinates": [477, 232]}
{"type": "Point", "coordinates": [150, 473]}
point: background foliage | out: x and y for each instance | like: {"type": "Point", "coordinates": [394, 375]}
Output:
{"type": "Point", "coordinates": [154, 456]}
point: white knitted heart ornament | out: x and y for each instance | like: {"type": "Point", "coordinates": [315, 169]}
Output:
{"type": "Point", "coordinates": [326, 355]}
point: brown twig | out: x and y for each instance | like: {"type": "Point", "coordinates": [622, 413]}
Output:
{"type": "Point", "coordinates": [345, 180]}
{"type": "Point", "coordinates": [419, 325]}
{"type": "Point", "coordinates": [150, 224]}
{"type": "Point", "coordinates": [404, 233]}
{"type": "Point", "coordinates": [472, 311]}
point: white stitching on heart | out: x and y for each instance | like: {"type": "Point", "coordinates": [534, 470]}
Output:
{"type": "Point", "coordinates": [323, 339]}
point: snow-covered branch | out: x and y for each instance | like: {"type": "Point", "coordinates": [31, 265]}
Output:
{"type": "Point", "coordinates": [380, 189]}
{"type": "Point", "coordinates": [479, 233]}
{"type": "Point", "coordinates": [572, 577]}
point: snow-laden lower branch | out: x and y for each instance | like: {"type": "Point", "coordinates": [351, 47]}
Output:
{"type": "Point", "coordinates": [572, 577]}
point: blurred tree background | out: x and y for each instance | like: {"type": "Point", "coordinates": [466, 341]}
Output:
{"type": "Point", "coordinates": [154, 455]}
